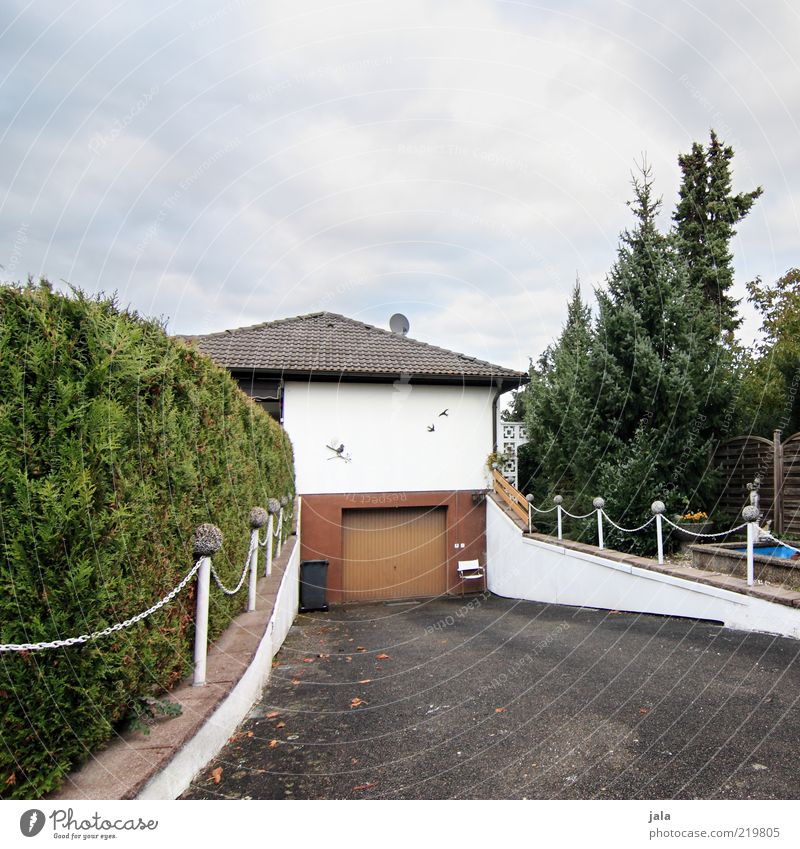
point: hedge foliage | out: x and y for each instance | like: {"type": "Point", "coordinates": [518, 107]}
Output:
{"type": "Point", "coordinates": [116, 441]}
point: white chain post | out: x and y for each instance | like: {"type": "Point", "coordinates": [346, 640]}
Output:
{"type": "Point", "coordinates": [558, 502]}
{"type": "Point", "coordinates": [529, 499]}
{"type": "Point", "coordinates": [658, 507]}
{"type": "Point", "coordinates": [279, 534]}
{"type": "Point", "coordinates": [598, 505]}
{"type": "Point", "coordinates": [273, 507]}
{"type": "Point", "coordinates": [258, 518]}
{"type": "Point", "coordinates": [282, 535]}
{"type": "Point", "coordinates": [751, 515]}
{"type": "Point", "coordinates": [207, 540]}
{"type": "Point", "coordinates": [268, 568]}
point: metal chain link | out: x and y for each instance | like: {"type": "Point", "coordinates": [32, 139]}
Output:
{"type": "Point", "coordinates": [707, 536]}
{"type": "Point", "coordinates": [629, 530]}
{"type": "Point", "coordinates": [222, 586]}
{"type": "Point", "coordinates": [84, 638]}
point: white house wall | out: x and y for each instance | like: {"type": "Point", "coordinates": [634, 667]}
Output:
{"type": "Point", "coordinates": [518, 567]}
{"type": "Point", "coordinates": [384, 428]}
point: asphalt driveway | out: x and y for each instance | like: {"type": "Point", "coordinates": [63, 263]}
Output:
{"type": "Point", "coordinates": [490, 698]}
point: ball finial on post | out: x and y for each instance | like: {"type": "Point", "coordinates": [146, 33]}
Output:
{"type": "Point", "coordinates": [751, 513]}
{"type": "Point", "coordinates": [598, 503]}
{"type": "Point", "coordinates": [206, 540]}
{"type": "Point", "coordinates": [658, 507]}
{"type": "Point", "coordinates": [258, 517]}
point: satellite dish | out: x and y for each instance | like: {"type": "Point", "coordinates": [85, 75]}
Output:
{"type": "Point", "coordinates": [398, 324]}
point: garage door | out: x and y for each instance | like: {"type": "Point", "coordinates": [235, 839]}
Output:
{"type": "Point", "coordinates": [394, 553]}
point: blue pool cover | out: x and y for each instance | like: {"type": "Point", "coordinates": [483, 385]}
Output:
{"type": "Point", "coordinates": [771, 550]}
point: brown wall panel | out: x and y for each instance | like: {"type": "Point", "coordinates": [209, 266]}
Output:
{"type": "Point", "coordinates": [465, 522]}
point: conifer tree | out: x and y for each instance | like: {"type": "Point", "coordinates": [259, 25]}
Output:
{"type": "Point", "coordinates": [705, 219]}
{"type": "Point", "coordinates": [560, 410]}
{"type": "Point", "coordinates": [658, 377]}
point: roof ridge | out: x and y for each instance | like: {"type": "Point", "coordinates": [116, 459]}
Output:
{"type": "Point", "coordinates": [409, 339]}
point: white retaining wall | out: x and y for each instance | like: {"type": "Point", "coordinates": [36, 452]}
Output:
{"type": "Point", "coordinates": [518, 567]}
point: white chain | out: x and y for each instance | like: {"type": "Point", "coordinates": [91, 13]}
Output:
{"type": "Point", "coordinates": [537, 510]}
{"type": "Point", "coordinates": [707, 536]}
{"type": "Point", "coordinates": [780, 541]}
{"type": "Point", "coordinates": [84, 638]}
{"type": "Point", "coordinates": [629, 530]}
{"type": "Point", "coordinates": [222, 586]}
{"type": "Point", "coordinates": [573, 516]}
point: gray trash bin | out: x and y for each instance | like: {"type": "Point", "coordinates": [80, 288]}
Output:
{"type": "Point", "coordinates": [313, 585]}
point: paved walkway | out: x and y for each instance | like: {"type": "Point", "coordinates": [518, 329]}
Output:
{"type": "Point", "coordinates": [491, 698]}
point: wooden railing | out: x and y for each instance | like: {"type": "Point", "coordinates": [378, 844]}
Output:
{"type": "Point", "coordinates": [511, 496]}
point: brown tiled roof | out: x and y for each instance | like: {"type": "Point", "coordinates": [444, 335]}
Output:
{"type": "Point", "coordinates": [324, 343]}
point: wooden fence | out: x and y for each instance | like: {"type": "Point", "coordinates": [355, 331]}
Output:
{"type": "Point", "coordinates": [777, 464]}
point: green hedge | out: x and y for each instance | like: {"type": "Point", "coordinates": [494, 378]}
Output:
{"type": "Point", "coordinates": [116, 441]}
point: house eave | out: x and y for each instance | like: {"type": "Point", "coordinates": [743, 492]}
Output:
{"type": "Point", "coordinates": [503, 383]}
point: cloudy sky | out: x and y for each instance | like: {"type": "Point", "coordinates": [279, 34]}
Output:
{"type": "Point", "coordinates": [222, 164]}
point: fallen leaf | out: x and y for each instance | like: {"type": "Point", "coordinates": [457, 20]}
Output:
{"type": "Point", "coordinates": [216, 774]}
{"type": "Point", "coordinates": [323, 656]}
{"type": "Point", "coordinates": [382, 656]}
{"type": "Point", "coordinates": [353, 760]}
{"type": "Point", "coordinates": [281, 725]}
{"type": "Point", "coordinates": [295, 681]}
{"type": "Point", "coordinates": [275, 663]}
{"type": "Point", "coordinates": [644, 710]}
{"type": "Point", "coordinates": [308, 660]}
{"type": "Point", "coordinates": [356, 702]}
{"type": "Point", "coordinates": [366, 681]}
{"type": "Point", "coordinates": [273, 744]}
{"type": "Point", "coordinates": [11, 780]}
{"type": "Point", "coordinates": [500, 710]}
{"type": "Point", "coordinates": [349, 659]}
{"type": "Point", "coordinates": [360, 787]}
{"type": "Point", "coordinates": [360, 648]}
{"type": "Point", "coordinates": [273, 713]}
{"type": "Point", "coordinates": [249, 733]}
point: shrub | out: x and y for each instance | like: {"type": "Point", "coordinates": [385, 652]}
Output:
{"type": "Point", "coordinates": [115, 442]}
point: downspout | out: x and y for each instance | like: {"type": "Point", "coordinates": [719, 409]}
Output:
{"type": "Point", "coordinates": [497, 393]}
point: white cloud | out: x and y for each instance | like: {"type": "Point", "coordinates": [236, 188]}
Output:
{"type": "Point", "coordinates": [225, 164]}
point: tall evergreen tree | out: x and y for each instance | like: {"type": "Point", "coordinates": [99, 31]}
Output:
{"type": "Point", "coordinates": [560, 410]}
{"type": "Point", "coordinates": [705, 219]}
{"type": "Point", "coordinates": [660, 389]}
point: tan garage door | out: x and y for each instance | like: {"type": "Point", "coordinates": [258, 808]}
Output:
{"type": "Point", "coordinates": [394, 553]}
